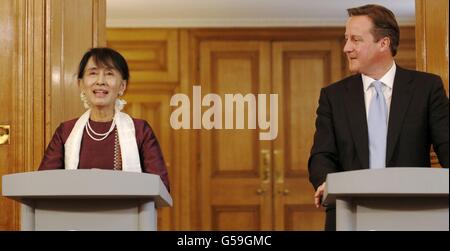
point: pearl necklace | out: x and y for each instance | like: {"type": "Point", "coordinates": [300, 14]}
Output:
{"type": "Point", "coordinates": [101, 135]}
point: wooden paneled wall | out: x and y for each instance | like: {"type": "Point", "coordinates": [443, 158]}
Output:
{"type": "Point", "coordinates": [153, 59]}
{"type": "Point", "coordinates": [227, 179]}
{"type": "Point", "coordinates": [73, 26]}
{"type": "Point", "coordinates": [41, 44]}
{"type": "Point", "coordinates": [432, 37]}
{"type": "Point", "coordinates": [9, 85]}
{"type": "Point", "coordinates": [432, 42]}
{"type": "Point", "coordinates": [22, 82]}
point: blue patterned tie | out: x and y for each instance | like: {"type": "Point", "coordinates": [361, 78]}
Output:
{"type": "Point", "coordinates": [377, 125]}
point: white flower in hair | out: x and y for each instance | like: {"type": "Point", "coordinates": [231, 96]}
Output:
{"type": "Point", "coordinates": [120, 103]}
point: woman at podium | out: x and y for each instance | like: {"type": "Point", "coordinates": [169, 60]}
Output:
{"type": "Point", "coordinates": [104, 137]}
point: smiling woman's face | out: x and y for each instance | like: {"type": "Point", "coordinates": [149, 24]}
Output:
{"type": "Point", "coordinates": [101, 85]}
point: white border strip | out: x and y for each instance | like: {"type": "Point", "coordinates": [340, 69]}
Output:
{"type": "Point", "coordinates": [190, 23]}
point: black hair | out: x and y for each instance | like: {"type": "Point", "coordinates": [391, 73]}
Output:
{"type": "Point", "coordinates": [105, 57]}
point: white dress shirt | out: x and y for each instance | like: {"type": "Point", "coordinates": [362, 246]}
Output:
{"type": "Point", "coordinates": [388, 84]}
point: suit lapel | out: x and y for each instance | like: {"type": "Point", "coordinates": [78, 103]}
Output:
{"type": "Point", "coordinates": [401, 97]}
{"type": "Point", "coordinates": [356, 112]}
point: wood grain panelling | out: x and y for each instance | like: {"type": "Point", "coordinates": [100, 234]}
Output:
{"type": "Point", "coordinates": [432, 37]}
{"type": "Point", "coordinates": [8, 77]}
{"type": "Point", "coordinates": [70, 25]}
{"type": "Point", "coordinates": [99, 22]}
{"type": "Point", "coordinates": [302, 217]}
{"type": "Point", "coordinates": [406, 54]}
{"type": "Point", "coordinates": [22, 79]}
{"type": "Point", "coordinates": [230, 167]}
{"type": "Point", "coordinates": [152, 54]}
{"type": "Point", "coordinates": [234, 73]}
{"type": "Point", "coordinates": [244, 218]}
{"type": "Point", "coordinates": [300, 70]}
{"type": "Point", "coordinates": [432, 43]}
{"type": "Point", "coordinates": [304, 74]}
{"type": "Point", "coordinates": [155, 109]}
{"type": "Point", "coordinates": [188, 215]}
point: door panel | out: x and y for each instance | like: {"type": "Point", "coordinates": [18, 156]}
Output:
{"type": "Point", "coordinates": [300, 70]}
{"type": "Point", "coordinates": [236, 187]}
{"type": "Point", "coordinates": [152, 54]}
{"type": "Point", "coordinates": [152, 57]}
{"type": "Point", "coordinates": [154, 108]}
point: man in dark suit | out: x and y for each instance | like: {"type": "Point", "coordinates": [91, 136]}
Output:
{"type": "Point", "coordinates": [384, 116]}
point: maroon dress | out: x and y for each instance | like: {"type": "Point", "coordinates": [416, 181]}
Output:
{"type": "Point", "coordinates": [100, 154]}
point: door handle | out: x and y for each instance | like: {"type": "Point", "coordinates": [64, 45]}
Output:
{"type": "Point", "coordinates": [260, 191]}
{"type": "Point", "coordinates": [265, 166]}
{"type": "Point", "coordinates": [279, 166]}
{"type": "Point", "coordinates": [4, 134]}
{"type": "Point", "coordinates": [284, 191]}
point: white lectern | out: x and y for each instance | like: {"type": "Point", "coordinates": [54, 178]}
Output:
{"type": "Point", "coordinates": [90, 199]}
{"type": "Point", "coordinates": [390, 199]}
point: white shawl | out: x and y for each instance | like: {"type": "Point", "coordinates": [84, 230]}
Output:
{"type": "Point", "coordinates": [127, 140]}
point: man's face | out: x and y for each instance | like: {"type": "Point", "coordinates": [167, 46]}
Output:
{"type": "Point", "coordinates": [361, 49]}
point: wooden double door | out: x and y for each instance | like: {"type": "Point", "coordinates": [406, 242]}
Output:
{"type": "Point", "coordinates": [252, 184]}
